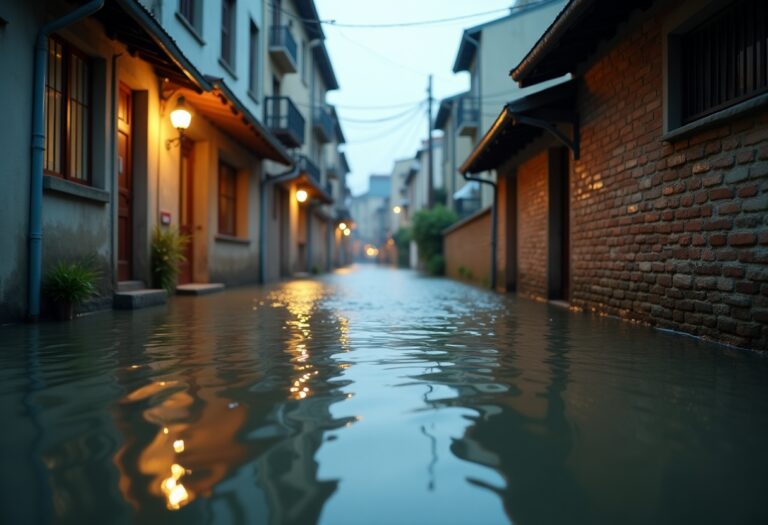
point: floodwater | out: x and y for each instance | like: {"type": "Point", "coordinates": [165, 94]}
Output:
{"type": "Point", "coordinates": [376, 396]}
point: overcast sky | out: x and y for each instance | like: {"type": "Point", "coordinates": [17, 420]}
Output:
{"type": "Point", "coordinates": [389, 67]}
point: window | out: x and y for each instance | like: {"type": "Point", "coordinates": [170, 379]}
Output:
{"type": "Point", "coordinates": [191, 11]}
{"type": "Point", "coordinates": [67, 113]}
{"type": "Point", "coordinates": [724, 59]}
{"type": "Point", "coordinates": [304, 60]}
{"type": "Point", "coordinates": [228, 32]}
{"type": "Point", "coordinates": [253, 73]}
{"type": "Point", "coordinates": [227, 199]}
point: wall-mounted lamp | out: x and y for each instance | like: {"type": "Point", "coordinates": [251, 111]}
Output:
{"type": "Point", "coordinates": [396, 210]}
{"type": "Point", "coordinates": [302, 195]}
{"type": "Point", "coordinates": [181, 118]}
{"type": "Point", "coordinates": [342, 226]}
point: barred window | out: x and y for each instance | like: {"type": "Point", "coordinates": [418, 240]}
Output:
{"type": "Point", "coordinates": [724, 59]}
{"type": "Point", "coordinates": [67, 113]}
{"type": "Point", "coordinates": [227, 199]}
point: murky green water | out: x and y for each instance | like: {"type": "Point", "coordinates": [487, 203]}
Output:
{"type": "Point", "coordinates": [376, 396]}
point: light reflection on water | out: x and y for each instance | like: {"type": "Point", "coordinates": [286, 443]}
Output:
{"type": "Point", "coordinates": [375, 396]}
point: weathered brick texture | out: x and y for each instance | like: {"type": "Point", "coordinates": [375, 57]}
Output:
{"type": "Point", "coordinates": [532, 227]}
{"type": "Point", "coordinates": [670, 233]}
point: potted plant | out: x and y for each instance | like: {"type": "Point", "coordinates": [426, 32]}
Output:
{"type": "Point", "coordinates": [69, 284]}
{"type": "Point", "coordinates": [168, 247]}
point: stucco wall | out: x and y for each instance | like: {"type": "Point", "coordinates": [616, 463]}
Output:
{"type": "Point", "coordinates": [467, 249]}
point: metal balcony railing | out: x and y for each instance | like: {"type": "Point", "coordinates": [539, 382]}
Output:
{"type": "Point", "coordinates": [283, 118]}
{"type": "Point", "coordinates": [323, 124]}
{"type": "Point", "coordinates": [467, 115]}
{"type": "Point", "coordinates": [283, 48]}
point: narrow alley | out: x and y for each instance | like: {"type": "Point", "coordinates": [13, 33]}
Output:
{"type": "Point", "coordinates": [376, 395]}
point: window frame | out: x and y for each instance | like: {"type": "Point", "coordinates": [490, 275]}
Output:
{"type": "Point", "coordinates": [254, 59]}
{"type": "Point", "coordinates": [64, 128]}
{"type": "Point", "coordinates": [232, 199]}
{"type": "Point", "coordinates": [228, 33]}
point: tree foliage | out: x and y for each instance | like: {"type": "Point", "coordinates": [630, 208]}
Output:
{"type": "Point", "coordinates": [428, 226]}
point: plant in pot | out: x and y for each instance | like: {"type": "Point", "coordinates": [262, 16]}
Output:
{"type": "Point", "coordinates": [69, 284]}
{"type": "Point", "coordinates": [168, 247]}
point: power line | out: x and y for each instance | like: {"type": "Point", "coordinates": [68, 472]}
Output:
{"type": "Point", "coordinates": [387, 133]}
{"type": "Point", "coordinates": [384, 119]}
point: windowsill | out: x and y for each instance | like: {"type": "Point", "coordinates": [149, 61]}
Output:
{"type": "Point", "coordinates": [716, 119]}
{"type": "Point", "coordinates": [253, 96]}
{"type": "Point", "coordinates": [73, 189]}
{"type": "Point", "coordinates": [232, 239]}
{"type": "Point", "coordinates": [192, 29]}
{"type": "Point", "coordinates": [223, 63]}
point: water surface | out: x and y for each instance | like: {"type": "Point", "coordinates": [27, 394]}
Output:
{"type": "Point", "coordinates": [375, 396]}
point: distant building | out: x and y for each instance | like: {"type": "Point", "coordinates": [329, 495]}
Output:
{"type": "Point", "coordinates": [370, 212]}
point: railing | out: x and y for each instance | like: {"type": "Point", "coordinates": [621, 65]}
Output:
{"type": "Point", "coordinates": [309, 167]}
{"type": "Point", "coordinates": [283, 118]}
{"type": "Point", "coordinates": [323, 124]}
{"type": "Point", "coordinates": [467, 114]}
{"type": "Point", "coordinates": [281, 37]}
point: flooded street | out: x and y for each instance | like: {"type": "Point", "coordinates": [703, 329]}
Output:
{"type": "Point", "coordinates": [375, 396]}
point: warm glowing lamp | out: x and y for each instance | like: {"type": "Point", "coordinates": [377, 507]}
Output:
{"type": "Point", "coordinates": [302, 195]}
{"type": "Point", "coordinates": [181, 118]}
{"type": "Point", "coordinates": [347, 232]}
{"type": "Point", "coordinates": [397, 209]}
{"type": "Point", "coordinates": [342, 226]}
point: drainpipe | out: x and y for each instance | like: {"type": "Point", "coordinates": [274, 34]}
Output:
{"type": "Point", "coordinates": [35, 234]}
{"type": "Point", "coordinates": [267, 183]}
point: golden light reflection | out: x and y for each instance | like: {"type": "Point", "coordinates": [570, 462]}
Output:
{"type": "Point", "coordinates": [178, 446]}
{"type": "Point", "coordinates": [176, 494]}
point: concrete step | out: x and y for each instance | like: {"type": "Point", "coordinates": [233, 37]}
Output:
{"type": "Point", "coordinates": [136, 299]}
{"type": "Point", "coordinates": [130, 286]}
{"type": "Point", "coordinates": [199, 288]}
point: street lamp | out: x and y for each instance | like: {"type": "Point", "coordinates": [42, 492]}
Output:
{"type": "Point", "coordinates": [397, 210]}
{"type": "Point", "coordinates": [347, 232]}
{"type": "Point", "coordinates": [302, 196]}
{"type": "Point", "coordinates": [181, 118]}
{"type": "Point", "coordinates": [342, 226]}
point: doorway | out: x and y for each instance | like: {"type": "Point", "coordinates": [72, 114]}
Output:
{"type": "Point", "coordinates": [186, 209]}
{"type": "Point", "coordinates": [124, 185]}
{"type": "Point", "coordinates": [559, 226]}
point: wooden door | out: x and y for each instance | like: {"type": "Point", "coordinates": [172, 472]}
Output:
{"type": "Point", "coordinates": [186, 209]}
{"type": "Point", "coordinates": [124, 186]}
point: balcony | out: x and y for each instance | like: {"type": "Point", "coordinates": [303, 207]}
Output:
{"type": "Point", "coordinates": [467, 116]}
{"type": "Point", "coordinates": [309, 168]}
{"type": "Point", "coordinates": [283, 49]}
{"type": "Point", "coordinates": [284, 120]}
{"type": "Point", "coordinates": [322, 123]}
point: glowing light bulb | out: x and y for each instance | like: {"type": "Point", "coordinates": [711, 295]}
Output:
{"type": "Point", "coordinates": [302, 196]}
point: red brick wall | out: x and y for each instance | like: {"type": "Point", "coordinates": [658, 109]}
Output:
{"type": "Point", "coordinates": [469, 247]}
{"type": "Point", "coordinates": [669, 233]}
{"type": "Point", "coordinates": [532, 209]}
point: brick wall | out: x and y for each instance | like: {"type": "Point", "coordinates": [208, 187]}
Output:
{"type": "Point", "coordinates": [532, 209]}
{"type": "Point", "coordinates": [669, 233]}
{"type": "Point", "coordinates": [468, 246]}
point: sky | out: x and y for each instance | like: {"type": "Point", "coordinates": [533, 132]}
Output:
{"type": "Point", "coordinates": [383, 73]}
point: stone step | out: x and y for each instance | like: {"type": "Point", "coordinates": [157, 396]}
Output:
{"type": "Point", "coordinates": [130, 286]}
{"type": "Point", "coordinates": [199, 288]}
{"type": "Point", "coordinates": [136, 299]}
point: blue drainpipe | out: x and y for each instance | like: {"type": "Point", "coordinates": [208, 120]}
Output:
{"type": "Point", "coordinates": [35, 259]}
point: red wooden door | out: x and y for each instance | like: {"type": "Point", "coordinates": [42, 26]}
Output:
{"type": "Point", "coordinates": [186, 213]}
{"type": "Point", "coordinates": [124, 186]}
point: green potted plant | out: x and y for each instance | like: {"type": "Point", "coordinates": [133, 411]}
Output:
{"type": "Point", "coordinates": [168, 247]}
{"type": "Point", "coordinates": [69, 284]}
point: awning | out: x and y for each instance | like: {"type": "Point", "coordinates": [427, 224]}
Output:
{"type": "Point", "coordinates": [573, 37]}
{"type": "Point", "coordinates": [222, 107]}
{"type": "Point", "coordinates": [522, 121]}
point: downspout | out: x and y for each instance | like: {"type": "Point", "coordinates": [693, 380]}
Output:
{"type": "Point", "coordinates": [35, 234]}
{"type": "Point", "coordinates": [266, 183]}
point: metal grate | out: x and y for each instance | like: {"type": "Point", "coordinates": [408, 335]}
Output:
{"type": "Point", "coordinates": [724, 60]}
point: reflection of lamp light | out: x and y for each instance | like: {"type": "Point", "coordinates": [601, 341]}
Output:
{"type": "Point", "coordinates": [342, 226]}
{"type": "Point", "coordinates": [302, 195]}
{"type": "Point", "coordinates": [181, 118]}
{"type": "Point", "coordinates": [397, 209]}
{"type": "Point", "coordinates": [347, 232]}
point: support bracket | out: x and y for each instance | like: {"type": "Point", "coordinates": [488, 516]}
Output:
{"type": "Point", "coordinates": [550, 124]}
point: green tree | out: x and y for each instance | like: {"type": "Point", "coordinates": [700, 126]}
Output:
{"type": "Point", "coordinates": [428, 226]}
{"type": "Point", "coordinates": [402, 238]}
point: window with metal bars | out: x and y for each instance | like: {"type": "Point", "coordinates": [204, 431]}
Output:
{"type": "Point", "coordinates": [67, 113]}
{"type": "Point", "coordinates": [227, 199]}
{"type": "Point", "coordinates": [724, 60]}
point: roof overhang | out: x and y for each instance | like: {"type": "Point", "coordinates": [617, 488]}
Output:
{"type": "Point", "coordinates": [303, 180]}
{"type": "Point", "coordinates": [225, 111]}
{"type": "Point", "coordinates": [132, 24]}
{"type": "Point", "coordinates": [323, 62]}
{"type": "Point", "coordinates": [444, 111]}
{"type": "Point", "coordinates": [522, 121]}
{"type": "Point", "coordinates": [467, 50]}
{"type": "Point", "coordinates": [310, 18]}
{"type": "Point", "coordinates": [573, 37]}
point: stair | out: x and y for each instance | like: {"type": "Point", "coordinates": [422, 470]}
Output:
{"type": "Point", "coordinates": [132, 295]}
{"type": "Point", "coordinates": [199, 288]}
